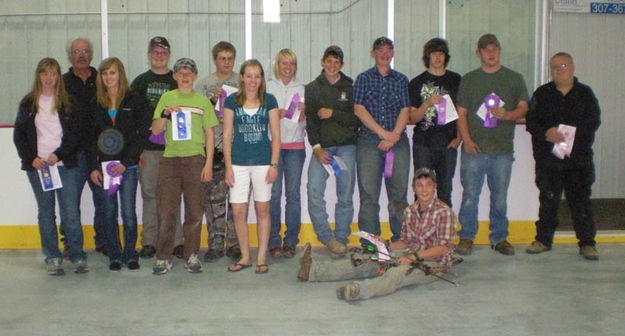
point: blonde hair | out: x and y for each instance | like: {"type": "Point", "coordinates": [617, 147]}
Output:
{"type": "Point", "coordinates": [240, 97]}
{"type": "Point", "coordinates": [61, 98]}
{"type": "Point", "coordinates": [282, 54]}
{"type": "Point", "coordinates": [101, 91]}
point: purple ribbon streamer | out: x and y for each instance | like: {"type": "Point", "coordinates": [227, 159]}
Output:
{"type": "Point", "coordinates": [222, 98]}
{"type": "Point", "coordinates": [491, 101]}
{"type": "Point", "coordinates": [158, 139]}
{"type": "Point", "coordinates": [388, 164]}
{"type": "Point", "coordinates": [292, 106]}
{"type": "Point", "coordinates": [113, 185]}
{"type": "Point", "coordinates": [442, 108]}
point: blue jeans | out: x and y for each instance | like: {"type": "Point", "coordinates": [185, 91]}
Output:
{"type": "Point", "coordinates": [443, 161]}
{"type": "Point", "coordinates": [290, 166]}
{"type": "Point", "coordinates": [68, 209]}
{"type": "Point", "coordinates": [128, 194]}
{"type": "Point", "coordinates": [370, 173]}
{"type": "Point", "coordinates": [344, 209]}
{"type": "Point", "coordinates": [99, 217]}
{"type": "Point", "coordinates": [497, 168]}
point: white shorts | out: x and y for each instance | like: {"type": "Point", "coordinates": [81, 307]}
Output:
{"type": "Point", "coordinates": [243, 175]}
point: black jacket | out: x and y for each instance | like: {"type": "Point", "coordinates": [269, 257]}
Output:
{"type": "Point", "coordinates": [25, 135]}
{"type": "Point", "coordinates": [129, 121]}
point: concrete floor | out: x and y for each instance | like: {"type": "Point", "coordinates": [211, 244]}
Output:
{"type": "Point", "coordinates": [555, 293]}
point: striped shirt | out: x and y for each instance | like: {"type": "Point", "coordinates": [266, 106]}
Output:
{"type": "Point", "coordinates": [382, 96]}
{"type": "Point", "coordinates": [435, 226]}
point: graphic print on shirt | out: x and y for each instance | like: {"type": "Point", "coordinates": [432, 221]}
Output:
{"type": "Point", "coordinates": [253, 127]}
{"type": "Point", "coordinates": [155, 90]}
{"type": "Point", "coordinates": [429, 117]}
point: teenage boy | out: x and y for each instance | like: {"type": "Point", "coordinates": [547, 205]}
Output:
{"type": "Point", "coordinates": [187, 161]}
{"type": "Point", "coordinates": [152, 84]}
{"type": "Point", "coordinates": [218, 212]}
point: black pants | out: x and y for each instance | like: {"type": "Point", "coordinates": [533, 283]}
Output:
{"type": "Point", "coordinates": [576, 184]}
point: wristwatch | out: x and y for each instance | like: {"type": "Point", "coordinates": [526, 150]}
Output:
{"type": "Point", "coordinates": [274, 165]}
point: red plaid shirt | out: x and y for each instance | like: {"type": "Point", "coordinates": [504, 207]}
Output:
{"type": "Point", "coordinates": [435, 226]}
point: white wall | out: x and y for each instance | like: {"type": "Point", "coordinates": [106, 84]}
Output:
{"type": "Point", "coordinates": [18, 207]}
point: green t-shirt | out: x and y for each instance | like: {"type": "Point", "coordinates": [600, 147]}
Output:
{"type": "Point", "coordinates": [199, 122]}
{"type": "Point", "coordinates": [476, 85]}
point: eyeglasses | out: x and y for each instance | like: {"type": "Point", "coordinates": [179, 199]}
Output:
{"type": "Point", "coordinates": [159, 53]}
{"type": "Point", "coordinates": [560, 66]}
{"type": "Point", "coordinates": [81, 51]}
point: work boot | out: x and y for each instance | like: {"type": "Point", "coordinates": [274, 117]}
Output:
{"type": "Point", "coordinates": [503, 247]}
{"type": "Point", "coordinates": [589, 252]}
{"type": "Point", "coordinates": [465, 246]}
{"type": "Point", "coordinates": [537, 247]}
{"type": "Point", "coordinates": [305, 262]}
{"type": "Point", "coordinates": [337, 249]}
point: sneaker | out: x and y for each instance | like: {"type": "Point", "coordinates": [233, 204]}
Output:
{"type": "Point", "coordinates": [147, 252]}
{"type": "Point", "coordinates": [537, 247]}
{"type": "Point", "coordinates": [305, 262]}
{"type": "Point", "coordinates": [213, 255]}
{"type": "Point", "coordinates": [81, 267]}
{"type": "Point", "coordinates": [234, 252]}
{"type": "Point", "coordinates": [54, 267]}
{"type": "Point", "coordinates": [115, 266]}
{"type": "Point", "coordinates": [161, 267]}
{"type": "Point", "coordinates": [337, 249]}
{"type": "Point", "coordinates": [589, 252]}
{"type": "Point", "coordinates": [503, 247]}
{"type": "Point", "coordinates": [348, 292]}
{"type": "Point", "coordinates": [275, 252]}
{"type": "Point", "coordinates": [133, 265]}
{"type": "Point", "coordinates": [179, 251]}
{"type": "Point", "coordinates": [465, 246]}
{"type": "Point", "coordinates": [193, 264]}
{"type": "Point", "coordinates": [288, 251]}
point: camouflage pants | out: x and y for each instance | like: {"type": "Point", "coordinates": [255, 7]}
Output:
{"type": "Point", "coordinates": [221, 234]}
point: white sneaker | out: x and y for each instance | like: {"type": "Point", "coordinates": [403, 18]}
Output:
{"type": "Point", "coordinates": [193, 264]}
{"type": "Point", "coordinates": [54, 267]}
{"type": "Point", "coordinates": [162, 267]}
{"type": "Point", "coordinates": [81, 266]}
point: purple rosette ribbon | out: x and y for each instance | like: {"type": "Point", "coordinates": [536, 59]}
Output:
{"type": "Point", "coordinates": [491, 101]}
{"type": "Point", "coordinates": [292, 106]}
{"type": "Point", "coordinates": [158, 139]}
{"type": "Point", "coordinates": [441, 109]}
{"type": "Point", "coordinates": [113, 183]}
{"type": "Point", "coordinates": [388, 164]}
{"type": "Point", "coordinates": [222, 99]}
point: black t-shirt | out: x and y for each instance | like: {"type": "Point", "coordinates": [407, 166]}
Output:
{"type": "Point", "coordinates": [152, 86]}
{"type": "Point", "coordinates": [427, 132]}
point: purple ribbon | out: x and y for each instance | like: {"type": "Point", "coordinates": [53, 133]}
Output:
{"type": "Point", "coordinates": [113, 184]}
{"type": "Point", "coordinates": [442, 108]}
{"type": "Point", "coordinates": [491, 101]}
{"type": "Point", "coordinates": [388, 164]}
{"type": "Point", "coordinates": [222, 98]}
{"type": "Point", "coordinates": [292, 106]}
{"type": "Point", "coordinates": [158, 139]}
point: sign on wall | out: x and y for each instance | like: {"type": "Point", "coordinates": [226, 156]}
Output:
{"type": "Point", "coordinates": [589, 6]}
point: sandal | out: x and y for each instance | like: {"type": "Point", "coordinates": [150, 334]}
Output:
{"type": "Point", "coordinates": [238, 267]}
{"type": "Point", "coordinates": [261, 269]}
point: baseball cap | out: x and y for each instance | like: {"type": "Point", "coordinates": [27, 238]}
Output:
{"type": "Point", "coordinates": [487, 39]}
{"type": "Point", "coordinates": [382, 41]}
{"type": "Point", "coordinates": [185, 63]}
{"type": "Point", "coordinates": [159, 41]}
{"type": "Point", "coordinates": [333, 50]}
{"type": "Point", "coordinates": [421, 172]}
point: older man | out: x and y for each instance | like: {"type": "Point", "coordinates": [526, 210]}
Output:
{"type": "Point", "coordinates": [80, 84]}
{"type": "Point", "coordinates": [564, 101]}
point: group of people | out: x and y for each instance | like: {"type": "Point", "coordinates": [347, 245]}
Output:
{"type": "Point", "coordinates": [212, 143]}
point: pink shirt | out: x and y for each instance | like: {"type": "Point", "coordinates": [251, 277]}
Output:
{"type": "Point", "coordinates": [49, 130]}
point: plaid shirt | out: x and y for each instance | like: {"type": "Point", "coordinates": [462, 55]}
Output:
{"type": "Point", "coordinates": [382, 96]}
{"type": "Point", "coordinates": [434, 227]}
